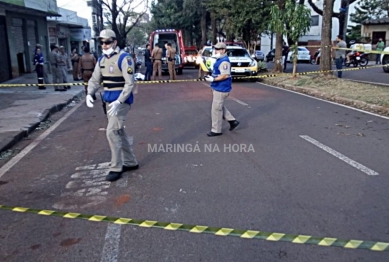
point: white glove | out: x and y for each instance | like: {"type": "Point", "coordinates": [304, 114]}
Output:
{"type": "Point", "coordinates": [114, 108]}
{"type": "Point", "coordinates": [89, 101]}
{"type": "Point", "coordinates": [209, 78]}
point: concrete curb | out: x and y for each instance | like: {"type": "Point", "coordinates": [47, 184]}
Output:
{"type": "Point", "coordinates": [381, 110]}
{"type": "Point", "coordinates": [45, 115]}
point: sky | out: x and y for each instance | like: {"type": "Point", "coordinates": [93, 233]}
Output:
{"type": "Point", "coordinates": [75, 5]}
{"type": "Point", "coordinates": [81, 8]}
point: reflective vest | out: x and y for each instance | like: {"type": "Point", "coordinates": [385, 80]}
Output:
{"type": "Point", "coordinates": [225, 85]}
{"type": "Point", "coordinates": [113, 80]}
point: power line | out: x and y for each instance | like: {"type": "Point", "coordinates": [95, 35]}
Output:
{"type": "Point", "coordinates": [67, 3]}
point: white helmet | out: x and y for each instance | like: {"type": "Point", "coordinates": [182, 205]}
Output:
{"type": "Point", "coordinates": [107, 33]}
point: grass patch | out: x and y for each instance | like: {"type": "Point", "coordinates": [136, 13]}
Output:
{"type": "Point", "coordinates": [333, 86]}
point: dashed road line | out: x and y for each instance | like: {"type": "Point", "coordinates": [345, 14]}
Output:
{"type": "Point", "coordinates": [340, 156]}
{"type": "Point", "coordinates": [111, 245]}
{"type": "Point", "coordinates": [238, 101]}
{"type": "Point", "coordinates": [233, 98]}
{"type": "Point", "coordinates": [112, 237]}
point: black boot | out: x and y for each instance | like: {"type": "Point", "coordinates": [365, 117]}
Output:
{"type": "Point", "coordinates": [40, 81]}
{"type": "Point", "coordinates": [233, 124]}
{"type": "Point", "coordinates": [113, 176]}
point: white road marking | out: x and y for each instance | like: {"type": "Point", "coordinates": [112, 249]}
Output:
{"type": "Point", "coordinates": [112, 237]}
{"type": "Point", "coordinates": [330, 102]}
{"type": "Point", "coordinates": [111, 246]}
{"type": "Point", "coordinates": [238, 101]}
{"type": "Point", "coordinates": [342, 157]}
{"type": "Point", "coordinates": [4, 169]}
{"type": "Point", "coordinates": [87, 184]}
{"type": "Point", "coordinates": [233, 98]}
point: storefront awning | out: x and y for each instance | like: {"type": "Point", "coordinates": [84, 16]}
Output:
{"type": "Point", "coordinates": [25, 10]}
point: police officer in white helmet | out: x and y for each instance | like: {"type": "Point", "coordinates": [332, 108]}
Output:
{"type": "Point", "coordinates": [116, 69]}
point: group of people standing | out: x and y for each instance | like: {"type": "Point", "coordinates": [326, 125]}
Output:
{"type": "Point", "coordinates": [83, 66]}
{"type": "Point", "coordinates": [153, 61]}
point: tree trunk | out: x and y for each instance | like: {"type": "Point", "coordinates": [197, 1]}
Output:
{"type": "Point", "coordinates": [325, 58]}
{"type": "Point", "coordinates": [203, 26]}
{"type": "Point", "coordinates": [278, 63]}
{"type": "Point", "coordinates": [213, 26]}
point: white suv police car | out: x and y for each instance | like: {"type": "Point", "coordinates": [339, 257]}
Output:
{"type": "Point", "coordinates": [242, 64]}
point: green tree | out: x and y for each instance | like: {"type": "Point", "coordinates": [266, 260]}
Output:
{"type": "Point", "coordinates": [366, 10]}
{"type": "Point", "coordinates": [277, 25]}
{"type": "Point", "coordinates": [298, 17]}
{"type": "Point", "coordinates": [137, 36]}
{"type": "Point", "coordinates": [121, 17]}
{"type": "Point", "coordinates": [185, 15]}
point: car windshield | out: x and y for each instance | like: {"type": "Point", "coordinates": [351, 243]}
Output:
{"type": "Point", "coordinates": [207, 52]}
{"type": "Point", "coordinates": [302, 49]}
{"type": "Point", "coordinates": [237, 52]}
{"type": "Point", "coordinates": [191, 52]}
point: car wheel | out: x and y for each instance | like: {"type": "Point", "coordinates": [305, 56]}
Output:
{"type": "Point", "coordinates": [385, 61]}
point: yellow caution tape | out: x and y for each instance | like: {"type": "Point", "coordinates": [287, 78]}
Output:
{"type": "Point", "coordinates": [202, 79]}
{"type": "Point", "coordinates": [217, 231]}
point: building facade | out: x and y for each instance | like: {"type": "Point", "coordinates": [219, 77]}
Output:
{"type": "Point", "coordinates": [375, 29]}
{"type": "Point", "coordinates": [25, 23]}
{"type": "Point", "coordinates": [69, 30]}
{"type": "Point", "coordinates": [313, 37]}
{"type": "Point", "coordinates": [22, 25]}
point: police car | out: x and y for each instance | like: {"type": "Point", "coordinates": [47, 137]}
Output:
{"type": "Point", "coordinates": [385, 60]}
{"type": "Point", "coordinates": [242, 64]}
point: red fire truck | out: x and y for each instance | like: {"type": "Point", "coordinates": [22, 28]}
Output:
{"type": "Point", "coordinates": [162, 36]}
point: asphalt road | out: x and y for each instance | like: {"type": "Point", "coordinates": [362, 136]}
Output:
{"type": "Point", "coordinates": [373, 74]}
{"type": "Point", "coordinates": [294, 165]}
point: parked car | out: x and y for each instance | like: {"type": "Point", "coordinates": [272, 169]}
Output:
{"type": "Point", "coordinates": [190, 56]}
{"type": "Point", "coordinates": [241, 44]}
{"type": "Point", "coordinates": [242, 64]}
{"type": "Point", "coordinates": [303, 54]}
{"type": "Point", "coordinates": [258, 55]}
{"type": "Point", "coordinates": [270, 55]}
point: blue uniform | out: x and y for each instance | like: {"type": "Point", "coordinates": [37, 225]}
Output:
{"type": "Point", "coordinates": [225, 85]}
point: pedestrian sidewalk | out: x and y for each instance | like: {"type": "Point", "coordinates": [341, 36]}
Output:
{"type": "Point", "coordinates": [22, 108]}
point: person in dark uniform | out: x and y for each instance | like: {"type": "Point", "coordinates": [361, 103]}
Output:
{"type": "Point", "coordinates": [39, 63]}
{"type": "Point", "coordinates": [148, 63]}
{"type": "Point", "coordinates": [285, 52]}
